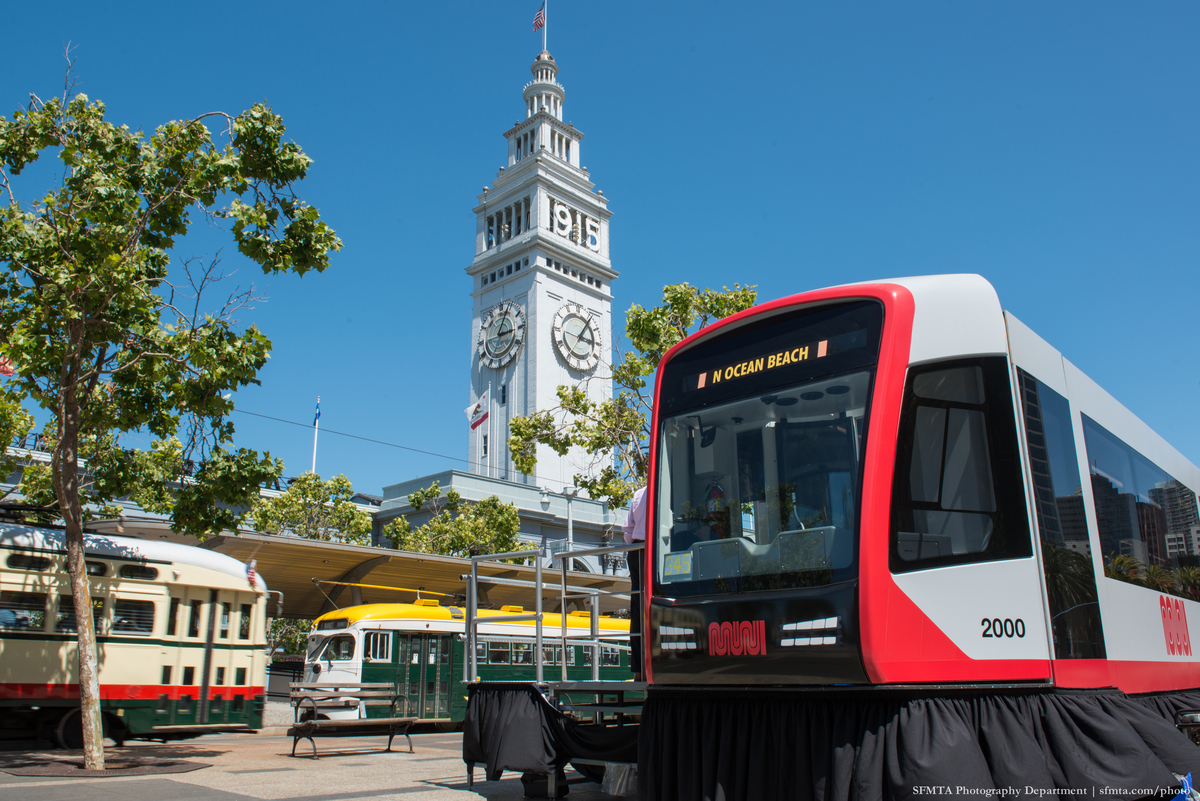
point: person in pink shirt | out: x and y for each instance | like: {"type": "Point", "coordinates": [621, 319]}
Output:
{"type": "Point", "coordinates": [635, 531]}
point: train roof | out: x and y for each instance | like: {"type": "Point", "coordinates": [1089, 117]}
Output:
{"type": "Point", "coordinates": [129, 548]}
{"type": "Point", "coordinates": [357, 614]}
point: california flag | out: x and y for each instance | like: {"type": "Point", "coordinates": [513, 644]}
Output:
{"type": "Point", "coordinates": [478, 411]}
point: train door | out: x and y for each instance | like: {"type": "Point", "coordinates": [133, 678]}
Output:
{"type": "Point", "coordinates": [427, 677]}
{"type": "Point", "coordinates": [1069, 556]}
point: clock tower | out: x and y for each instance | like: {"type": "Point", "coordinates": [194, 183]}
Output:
{"type": "Point", "coordinates": [542, 286]}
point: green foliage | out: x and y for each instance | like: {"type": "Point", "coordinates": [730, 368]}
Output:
{"type": "Point", "coordinates": [616, 432]}
{"type": "Point", "coordinates": [108, 342]}
{"type": "Point", "coordinates": [457, 527]}
{"type": "Point", "coordinates": [289, 635]}
{"type": "Point", "coordinates": [316, 510]}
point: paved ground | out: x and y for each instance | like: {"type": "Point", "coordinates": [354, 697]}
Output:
{"type": "Point", "coordinates": [247, 766]}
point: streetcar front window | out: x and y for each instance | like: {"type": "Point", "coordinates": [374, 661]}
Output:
{"type": "Point", "coordinates": [340, 647]}
{"type": "Point", "coordinates": [762, 493]}
{"type": "Point", "coordinates": [762, 432]}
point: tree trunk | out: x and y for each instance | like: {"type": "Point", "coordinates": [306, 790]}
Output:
{"type": "Point", "coordinates": [65, 466]}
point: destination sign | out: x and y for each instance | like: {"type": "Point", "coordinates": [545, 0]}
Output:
{"type": "Point", "coordinates": [771, 361]}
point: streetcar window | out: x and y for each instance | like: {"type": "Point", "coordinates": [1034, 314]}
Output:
{"type": "Point", "coordinates": [173, 617]}
{"type": "Point", "coordinates": [340, 647]}
{"type": "Point", "coordinates": [481, 652]}
{"type": "Point", "coordinates": [762, 492]}
{"type": "Point", "coordinates": [609, 657]}
{"type": "Point", "coordinates": [1145, 515]}
{"type": "Point", "coordinates": [244, 622]}
{"type": "Point", "coordinates": [133, 617]}
{"type": "Point", "coordinates": [22, 610]}
{"type": "Point", "coordinates": [498, 653]}
{"type": "Point", "coordinates": [185, 705]}
{"type": "Point", "coordinates": [240, 677]}
{"type": "Point", "coordinates": [140, 572]}
{"type": "Point", "coordinates": [189, 676]}
{"type": "Point", "coordinates": [164, 704]}
{"type": "Point", "coordinates": [194, 619]}
{"type": "Point", "coordinates": [522, 653]}
{"type": "Point", "coordinates": [166, 674]}
{"type": "Point", "coordinates": [377, 646]}
{"type": "Point", "coordinates": [19, 561]}
{"type": "Point", "coordinates": [96, 569]}
{"type": "Point", "coordinates": [957, 494]}
{"type": "Point", "coordinates": [224, 628]}
{"type": "Point", "coordinates": [1078, 632]}
{"type": "Point", "coordinates": [239, 703]}
{"type": "Point", "coordinates": [64, 620]}
{"type": "Point", "coordinates": [219, 680]}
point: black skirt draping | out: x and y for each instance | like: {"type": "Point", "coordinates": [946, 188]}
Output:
{"type": "Point", "coordinates": [760, 746]}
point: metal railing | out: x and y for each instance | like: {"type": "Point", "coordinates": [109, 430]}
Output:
{"type": "Point", "coordinates": [592, 595]}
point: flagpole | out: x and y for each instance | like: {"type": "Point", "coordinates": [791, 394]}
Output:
{"type": "Point", "coordinates": [316, 427]}
{"type": "Point", "coordinates": [545, 23]}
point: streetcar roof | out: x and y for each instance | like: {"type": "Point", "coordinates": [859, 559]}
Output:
{"type": "Point", "coordinates": [380, 612]}
{"type": "Point", "coordinates": [127, 548]}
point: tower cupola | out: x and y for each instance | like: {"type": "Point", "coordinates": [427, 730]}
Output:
{"type": "Point", "coordinates": [544, 92]}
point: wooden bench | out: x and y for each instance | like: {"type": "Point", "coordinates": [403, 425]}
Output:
{"type": "Point", "coordinates": [310, 698]}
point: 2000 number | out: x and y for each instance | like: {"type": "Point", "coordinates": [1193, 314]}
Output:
{"type": "Point", "coordinates": [1003, 628]}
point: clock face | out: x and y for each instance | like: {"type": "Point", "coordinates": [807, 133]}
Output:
{"type": "Point", "coordinates": [577, 337]}
{"type": "Point", "coordinates": [501, 333]}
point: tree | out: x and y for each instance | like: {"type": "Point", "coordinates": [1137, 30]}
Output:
{"type": "Point", "coordinates": [316, 510]}
{"type": "Point", "coordinates": [616, 432]}
{"type": "Point", "coordinates": [108, 341]}
{"type": "Point", "coordinates": [457, 527]}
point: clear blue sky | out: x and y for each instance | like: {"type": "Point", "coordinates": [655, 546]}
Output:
{"type": "Point", "coordinates": [1051, 147]}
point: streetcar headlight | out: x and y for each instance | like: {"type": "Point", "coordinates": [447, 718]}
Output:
{"type": "Point", "coordinates": [822, 631]}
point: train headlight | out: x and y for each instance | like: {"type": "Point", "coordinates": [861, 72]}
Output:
{"type": "Point", "coordinates": [822, 631]}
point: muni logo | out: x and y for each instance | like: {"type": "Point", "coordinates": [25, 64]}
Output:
{"type": "Point", "coordinates": [1175, 627]}
{"type": "Point", "coordinates": [739, 637]}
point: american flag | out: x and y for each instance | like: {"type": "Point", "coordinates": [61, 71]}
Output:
{"type": "Point", "coordinates": [539, 19]}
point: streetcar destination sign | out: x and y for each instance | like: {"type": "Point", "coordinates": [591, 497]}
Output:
{"type": "Point", "coordinates": [815, 350]}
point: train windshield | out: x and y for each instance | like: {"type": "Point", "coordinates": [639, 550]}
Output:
{"type": "Point", "coordinates": [758, 484]}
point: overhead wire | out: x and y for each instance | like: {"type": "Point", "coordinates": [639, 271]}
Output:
{"type": "Point", "coordinates": [467, 462]}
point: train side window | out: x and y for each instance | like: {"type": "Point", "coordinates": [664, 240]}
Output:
{"type": "Point", "coordinates": [244, 621]}
{"type": "Point", "coordinates": [22, 610]}
{"type": "Point", "coordinates": [239, 703]}
{"type": "Point", "coordinates": [20, 561]}
{"type": "Point", "coordinates": [65, 619]}
{"type": "Point", "coordinates": [185, 705]}
{"type": "Point", "coordinates": [378, 646]}
{"type": "Point", "coordinates": [224, 628]}
{"type": "Point", "coordinates": [189, 676]}
{"type": "Point", "coordinates": [1145, 516]}
{"type": "Point", "coordinates": [173, 618]}
{"type": "Point", "coordinates": [96, 569]}
{"type": "Point", "coordinates": [219, 679]}
{"type": "Point", "coordinates": [139, 572]}
{"type": "Point", "coordinates": [194, 619]}
{"type": "Point", "coordinates": [522, 653]}
{"type": "Point", "coordinates": [240, 677]}
{"type": "Point", "coordinates": [957, 495]}
{"type": "Point", "coordinates": [166, 675]}
{"type": "Point", "coordinates": [133, 617]}
{"type": "Point", "coordinates": [498, 653]}
{"type": "Point", "coordinates": [609, 657]}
